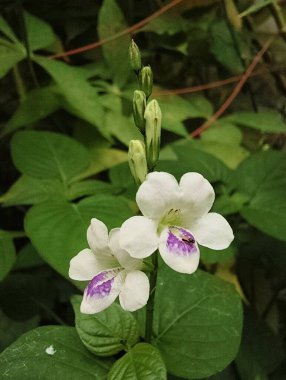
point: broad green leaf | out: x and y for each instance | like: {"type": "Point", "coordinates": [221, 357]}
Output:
{"type": "Point", "coordinates": [210, 256]}
{"type": "Point", "coordinates": [198, 321]}
{"type": "Point", "coordinates": [121, 127]}
{"type": "Point", "coordinates": [223, 141]}
{"type": "Point", "coordinates": [103, 159]}
{"type": "Point", "coordinates": [108, 332]}
{"type": "Point", "coordinates": [175, 110]}
{"type": "Point", "coordinates": [261, 177]}
{"type": "Point", "coordinates": [230, 204]}
{"type": "Point", "coordinates": [90, 187]}
{"type": "Point", "coordinates": [223, 46]}
{"type": "Point", "coordinates": [270, 121]}
{"type": "Point", "coordinates": [121, 177]}
{"type": "Point", "coordinates": [37, 105]}
{"type": "Point", "coordinates": [11, 57]}
{"type": "Point", "coordinates": [67, 224]}
{"type": "Point", "coordinates": [29, 190]}
{"type": "Point", "coordinates": [28, 257]}
{"type": "Point", "coordinates": [10, 330]}
{"type": "Point", "coordinates": [111, 21]}
{"type": "Point", "coordinates": [255, 360]}
{"type": "Point", "coordinates": [40, 34]}
{"type": "Point", "coordinates": [48, 155]}
{"type": "Point", "coordinates": [169, 23]}
{"type": "Point", "coordinates": [7, 254]}
{"type": "Point", "coordinates": [191, 159]}
{"type": "Point", "coordinates": [51, 352]}
{"type": "Point", "coordinates": [141, 362]}
{"type": "Point", "coordinates": [81, 98]}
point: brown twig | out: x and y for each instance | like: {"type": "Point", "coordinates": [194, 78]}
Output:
{"type": "Point", "coordinates": [215, 84]}
{"type": "Point", "coordinates": [131, 29]}
{"type": "Point", "coordinates": [235, 91]}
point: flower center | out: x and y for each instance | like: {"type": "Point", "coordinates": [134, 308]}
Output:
{"type": "Point", "coordinates": [171, 218]}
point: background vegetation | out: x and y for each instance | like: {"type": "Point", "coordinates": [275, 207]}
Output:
{"type": "Point", "coordinates": [66, 121]}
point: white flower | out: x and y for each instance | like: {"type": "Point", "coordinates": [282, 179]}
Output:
{"type": "Point", "coordinates": [111, 272]}
{"type": "Point", "coordinates": [175, 220]}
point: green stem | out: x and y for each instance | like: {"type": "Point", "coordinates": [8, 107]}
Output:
{"type": "Point", "coordinates": [19, 83]}
{"type": "Point", "coordinates": [279, 18]}
{"type": "Point", "coordinates": [151, 301]}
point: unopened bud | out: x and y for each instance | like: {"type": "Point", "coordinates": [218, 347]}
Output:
{"type": "Point", "coordinates": [139, 105]}
{"type": "Point", "coordinates": [137, 161]}
{"type": "Point", "coordinates": [153, 118]}
{"type": "Point", "coordinates": [134, 56]}
{"type": "Point", "coordinates": [146, 80]}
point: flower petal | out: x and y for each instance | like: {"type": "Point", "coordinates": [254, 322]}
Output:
{"type": "Point", "coordinates": [84, 266]}
{"type": "Point", "coordinates": [102, 291]}
{"type": "Point", "coordinates": [213, 231]}
{"type": "Point", "coordinates": [157, 194]}
{"type": "Point", "coordinates": [123, 257]}
{"type": "Point", "coordinates": [138, 236]}
{"type": "Point", "coordinates": [179, 249]}
{"type": "Point", "coordinates": [135, 291]}
{"type": "Point", "coordinates": [97, 237]}
{"type": "Point", "coordinates": [197, 197]}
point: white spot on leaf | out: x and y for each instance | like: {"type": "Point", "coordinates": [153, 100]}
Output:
{"type": "Point", "coordinates": [50, 350]}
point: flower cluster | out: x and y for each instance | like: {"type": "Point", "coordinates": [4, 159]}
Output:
{"type": "Point", "coordinates": [175, 220]}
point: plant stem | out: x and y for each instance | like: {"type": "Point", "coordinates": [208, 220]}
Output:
{"type": "Point", "coordinates": [150, 304]}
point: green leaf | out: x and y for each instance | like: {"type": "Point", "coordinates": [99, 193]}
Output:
{"type": "Point", "coordinates": [259, 4]}
{"type": "Point", "coordinates": [223, 141]}
{"type": "Point", "coordinates": [67, 225]}
{"type": "Point", "coordinates": [81, 98]}
{"type": "Point", "coordinates": [10, 330]}
{"type": "Point", "coordinates": [12, 57]}
{"type": "Point", "coordinates": [40, 34]}
{"type": "Point", "coordinates": [261, 177]}
{"type": "Point", "coordinates": [191, 159]}
{"type": "Point", "coordinates": [270, 122]}
{"type": "Point", "coordinates": [222, 45]}
{"type": "Point", "coordinates": [28, 190]}
{"type": "Point", "coordinates": [198, 321]}
{"type": "Point", "coordinates": [108, 332]}
{"type": "Point", "coordinates": [7, 254]}
{"type": "Point", "coordinates": [142, 362]}
{"type": "Point", "coordinates": [37, 105]}
{"type": "Point", "coordinates": [103, 159]}
{"type": "Point", "coordinates": [5, 29]}
{"type": "Point", "coordinates": [51, 352]}
{"type": "Point", "coordinates": [48, 155]}
{"type": "Point", "coordinates": [111, 21]}
{"type": "Point", "coordinates": [28, 257]}
{"type": "Point", "coordinates": [121, 127]}
{"type": "Point", "coordinates": [90, 187]}
{"type": "Point", "coordinates": [176, 109]}
{"type": "Point", "coordinates": [169, 23]}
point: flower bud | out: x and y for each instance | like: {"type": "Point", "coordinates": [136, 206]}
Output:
{"type": "Point", "coordinates": [139, 105]}
{"type": "Point", "coordinates": [146, 80]}
{"type": "Point", "coordinates": [137, 161]}
{"type": "Point", "coordinates": [135, 56]}
{"type": "Point", "coordinates": [153, 118]}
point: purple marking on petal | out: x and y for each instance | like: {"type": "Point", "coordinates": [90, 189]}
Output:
{"type": "Point", "coordinates": [101, 285]}
{"type": "Point", "coordinates": [180, 241]}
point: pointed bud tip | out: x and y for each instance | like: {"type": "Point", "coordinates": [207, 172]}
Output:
{"type": "Point", "coordinates": [135, 56]}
